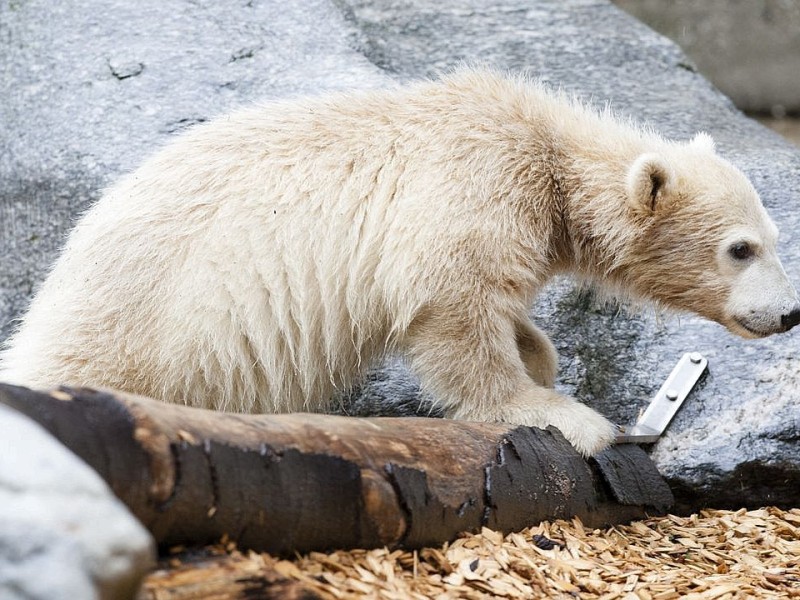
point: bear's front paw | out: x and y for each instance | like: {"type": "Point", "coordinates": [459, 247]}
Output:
{"type": "Point", "coordinates": [587, 430]}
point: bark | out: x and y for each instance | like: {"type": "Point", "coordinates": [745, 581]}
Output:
{"type": "Point", "coordinates": [300, 482]}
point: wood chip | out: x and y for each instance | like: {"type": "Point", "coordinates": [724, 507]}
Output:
{"type": "Point", "coordinates": [714, 555]}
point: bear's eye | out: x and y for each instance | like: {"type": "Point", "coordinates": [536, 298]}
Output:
{"type": "Point", "coordinates": [740, 251]}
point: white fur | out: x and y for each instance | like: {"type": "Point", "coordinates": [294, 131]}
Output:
{"type": "Point", "coordinates": [261, 261]}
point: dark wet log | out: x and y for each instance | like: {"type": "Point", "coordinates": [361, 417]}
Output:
{"type": "Point", "coordinates": [299, 482]}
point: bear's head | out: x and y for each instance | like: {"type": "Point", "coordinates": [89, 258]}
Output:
{"type": "Point", "coordinates": [706, 243]}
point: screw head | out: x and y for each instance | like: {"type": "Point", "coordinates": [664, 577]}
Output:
{"type": "Point", "coordinates": [672, 395]}
{"type": "Point", "coordinates": [696, 358]}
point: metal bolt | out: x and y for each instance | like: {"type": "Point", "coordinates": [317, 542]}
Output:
{"type": "Point", "coordinates": [696, 358]}
{"type": "Point", "coordinates": [672, 395]}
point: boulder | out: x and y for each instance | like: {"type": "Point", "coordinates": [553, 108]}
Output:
{"type": "Point", "coordinates": [84, 107]}
{"type": "Point", "coordinates": [63, 533]}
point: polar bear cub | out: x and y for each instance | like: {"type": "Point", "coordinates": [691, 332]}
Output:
{"type": "Point", "coordinates": [261, 261]}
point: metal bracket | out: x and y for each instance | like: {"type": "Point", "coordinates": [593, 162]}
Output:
{"type": "Point", "coordinates": [652, 423]}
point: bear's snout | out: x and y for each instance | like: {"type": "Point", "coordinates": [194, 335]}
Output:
{"type": "Point", "coordinates": [790, 320]}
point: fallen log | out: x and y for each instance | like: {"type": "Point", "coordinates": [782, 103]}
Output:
{"type": "Point", "coordinates": [300, 482]}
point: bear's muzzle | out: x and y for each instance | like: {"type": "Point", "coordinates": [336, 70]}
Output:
{"type": "Point", "coordinates": [790, 320]}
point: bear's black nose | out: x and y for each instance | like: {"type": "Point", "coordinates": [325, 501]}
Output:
{"type": "Point", "coordinates": [790, 320]}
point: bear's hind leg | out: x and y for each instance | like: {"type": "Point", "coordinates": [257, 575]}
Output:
{"type": "Point", "coordinates": [537, 353]}
{"type": "Point", "coordinates": [474, 368]}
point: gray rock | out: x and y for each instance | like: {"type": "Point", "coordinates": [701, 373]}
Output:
{"type": "Point", "coordinates": [63, 534]}
{"type": "Point", "coordinates": [71, 123]}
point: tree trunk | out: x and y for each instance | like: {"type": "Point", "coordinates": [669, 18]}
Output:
{"type": "Point", "coordinates": [300, 482]}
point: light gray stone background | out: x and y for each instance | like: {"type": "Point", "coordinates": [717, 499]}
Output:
{"type": "Point", "coordinates": [90, 88]}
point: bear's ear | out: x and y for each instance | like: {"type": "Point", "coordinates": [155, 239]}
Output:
{"type": "Point", "coordinates": [650, 180]}
{"type": "Point", "coordinates": [703, 141]}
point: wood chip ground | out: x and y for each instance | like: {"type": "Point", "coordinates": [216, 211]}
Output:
{"type": "Point", "coordinates": [720, 555]}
